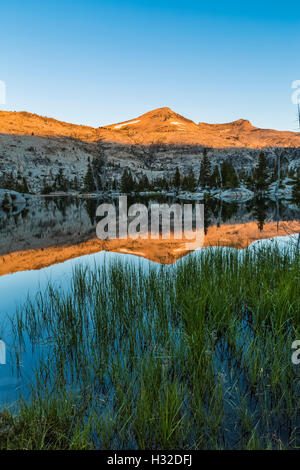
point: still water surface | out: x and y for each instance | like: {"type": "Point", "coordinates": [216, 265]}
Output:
{"type": "Point", "coordinates": [44, 242]}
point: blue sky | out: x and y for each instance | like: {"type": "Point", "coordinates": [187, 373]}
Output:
{"type": "Point", "coordinates": [96, 62]}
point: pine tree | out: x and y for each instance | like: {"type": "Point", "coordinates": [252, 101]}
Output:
{"type": "Point", "coordinates": [161, 183]}
{"type": "Point", "coordinates": [260, 174]}
{"type": "Point", "coordinates": [25, 188]}
{"type": "Point", "coordinates": [185, 183]}
{"type": "Point", "coordinates": [127, 184]}
{"type": "Point", "coordinates": [189, 182]}
{"type": "Point", "coordinates": [124, 181]}
{"type": "Point", "coordinates": [260, 212]}
{"type": "Point", "coordinates": [274, 174]}
{"type": "Point", "coordinates": [75, 184]}
{"type": "Point", "coordinates": [98, 165]}
{"type": "Point", "coordinates": [46, 189]}
{"type": "Point", "coordinates": [296, 189]}
{"type": "Point", "coordinates": [229, 176]}
{"type": "Point", "coordinates": [61, 183]}
{"type": "Point", "coordinates": [192, 181]}
{"type": "Point", "coordinates": [215, 180]}
{"type": "Point", "coordinates": [143, 184]}
{"type": "Point", "coordinates": [177, 179]}
{"type": "Point", "coordinates": [165, 184]}
{"type": "Point", "coordinates": [89, 183]}
{"type": "Point", "coordinates": [205, 170]}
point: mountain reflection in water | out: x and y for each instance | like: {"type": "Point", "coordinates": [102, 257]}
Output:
{"type": "Point", "coordinates": [54, 230]}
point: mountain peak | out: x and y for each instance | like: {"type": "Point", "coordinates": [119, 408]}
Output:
{"type": "Point", "coordinates": [163, 109]}
{"type": "Point", "coordinates": [160, 118]}
{"type": "Point", "coordinates": [163, 114]}
{"type": "Point", "coordinates": [242, 122]}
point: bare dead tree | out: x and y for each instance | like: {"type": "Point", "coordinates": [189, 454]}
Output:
{"type": "Point", "coordinates": [278, 154]}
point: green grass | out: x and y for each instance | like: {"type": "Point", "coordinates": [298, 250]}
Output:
{"type": "Point", "coordinates": [196, 356]}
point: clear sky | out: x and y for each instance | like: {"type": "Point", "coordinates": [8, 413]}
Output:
{"type": "Point", "coordinates": [98, 62]}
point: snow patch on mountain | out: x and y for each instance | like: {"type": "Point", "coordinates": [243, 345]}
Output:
{"type": "Point", "coordinates": [126, 124]}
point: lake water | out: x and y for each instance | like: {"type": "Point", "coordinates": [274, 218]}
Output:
{"type": "Point", "coordinates": [45, 241]}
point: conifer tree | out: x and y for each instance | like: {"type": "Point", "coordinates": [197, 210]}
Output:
{"type": "Point", "coordinates": [185, 183]}
{"type": "Point", "coordinates": [127, 183]}
{"type": "Point", "coordinates": [215, 180]}
{"type": "Point", "coordinates": [25, 188]}
{"type": "Point", "coordinates": [260, 212]}
{"type": "Point", "coordinates": [205, 170]}
{"type": "Point", "coordinates": [296, 188]}
{"type": "Point", "coordinates": [75, 184]}
{"type": "Point", "coordinates": [89, 183]}
{"type": "Point", "coordinates": [98, 167]}
{"type": "Point", "coordinates": [46, 189]}
{"type": "Point", "coordinates": [189, 182]}
{"type": "Point", "coordinates": [229, 176]}
{"type": "Point", "coordinates": [260, 174]}
{"type": "Point", "coordinates": [165, 184]}
{"type": "Point", "coordinates": [177, 179]}
{"type": "Point", "coordinates": [114, 185]}
{"type": "Point", "coordinates": [61, 183]}
{"type": "Point", "coordinates": [192, 181]}
{"type": "Point", "coordinates": [143, 184]}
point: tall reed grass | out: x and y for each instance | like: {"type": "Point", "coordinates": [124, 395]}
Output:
{"type": "Point", "coordinates": [196, 356]}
